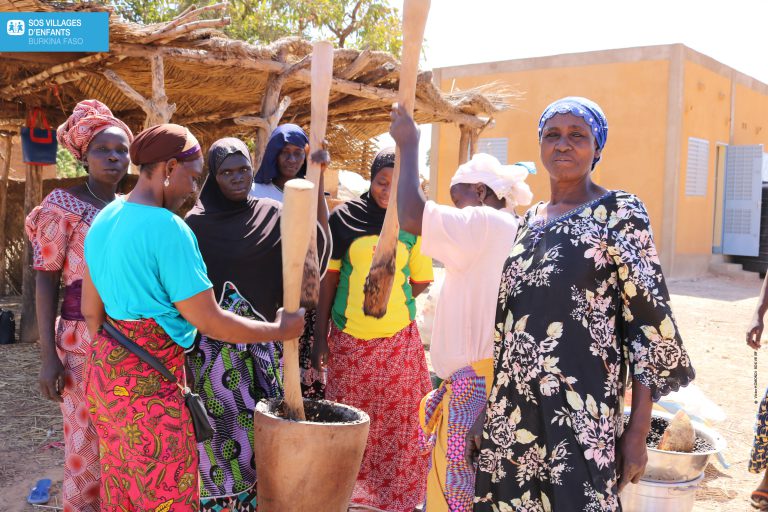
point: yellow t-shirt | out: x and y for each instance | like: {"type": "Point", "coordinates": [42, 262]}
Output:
{"type": "Point", "coordinates": [411, 267]}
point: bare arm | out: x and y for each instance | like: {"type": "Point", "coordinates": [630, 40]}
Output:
{"type": "Point", "coordinates": [328, 287]}
{"type": "Point", "coordinates": [51, 377]}
{"type": "Point", "coordinates": [91, 306]}
{"type": "Point", "coordinates": [323, 158]}
{"type": "Point", "coordinates": [632, 453]}
{"type": "Point", "coordinates": [203, 312]}
{"type": "Point", "coordinates": [410, 198]}
{"type": "Point", "coordinates": [756, 327]}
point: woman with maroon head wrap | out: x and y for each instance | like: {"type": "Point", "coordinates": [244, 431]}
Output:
{"type": "Point", "coordinates": [57, 229]}
{"type": "Point", "coordinates": [146, 277]}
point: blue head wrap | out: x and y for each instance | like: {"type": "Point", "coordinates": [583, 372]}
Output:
{"type": "Point", "coordinates": [283, 135]}
{"type": "Point", "coordinates": [585, 109]}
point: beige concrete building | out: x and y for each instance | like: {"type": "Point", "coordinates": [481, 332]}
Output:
{"type": "Point", "coordinates": [686, 135]}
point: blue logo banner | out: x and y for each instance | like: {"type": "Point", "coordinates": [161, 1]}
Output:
{"type": "Point", "coordinates": [54, 31]}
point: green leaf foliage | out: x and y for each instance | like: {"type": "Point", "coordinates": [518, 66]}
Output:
{"type": "Point", "coordinates": [358, 24]}
{"type": "Point", "coordinates": [67, 166]}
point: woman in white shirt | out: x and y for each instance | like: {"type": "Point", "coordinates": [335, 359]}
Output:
{"type": "Point", "coordinates": [472, 241]}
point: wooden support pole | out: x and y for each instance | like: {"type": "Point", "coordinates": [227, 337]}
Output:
{"type": "Point", "coordinates": [473, 135]}
{"type": "Point", "coordinates": [199, 57]}
{"type": "Point", "coordinates": [33, 196]}
{"type": "Point", "coordinates": [8, 148]}
{"type": "Point", "coordinates": [271, 111]}
{"type": "Point", "coordinates": [161, 110]}
{"type": "Point", "coordinates": [464, 144]}
{"type": "Point", "coordinates": [157, 109]}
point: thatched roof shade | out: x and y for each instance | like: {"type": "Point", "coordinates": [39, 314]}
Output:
{"type": "Point", "coordinates": [221, 86]}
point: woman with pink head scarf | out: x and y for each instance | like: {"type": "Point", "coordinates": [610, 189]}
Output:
{"type": "Point", "coordinates": [57, 229]}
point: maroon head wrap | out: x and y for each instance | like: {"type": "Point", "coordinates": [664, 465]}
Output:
{"type": "Point", "coordinates": [162, 142]}
{"type": "Point", "coordinates": [88, 118]}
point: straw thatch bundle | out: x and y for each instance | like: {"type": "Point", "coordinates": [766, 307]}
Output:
{"type": "Point", "coordinates": [188, 72]}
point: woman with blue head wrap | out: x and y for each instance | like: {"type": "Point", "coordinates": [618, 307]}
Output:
{"type": "Point", "coordinates": [582, 305]}
{"type": "Point", "coordinates": [284, 159]}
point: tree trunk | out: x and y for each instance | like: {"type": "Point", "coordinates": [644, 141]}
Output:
{"type": "Point", "coordinates": [3, 206]}
{"type": "Point", "coordinates": [33, 196]}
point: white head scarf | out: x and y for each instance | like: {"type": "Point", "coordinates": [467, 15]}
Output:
{"type": "Point", "coordinates": [506, 181]}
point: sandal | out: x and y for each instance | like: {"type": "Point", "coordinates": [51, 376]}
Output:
{"type": "Point", "coordinates": [39, 493]}
{"type": "Point", "coordinates": [759, 500]}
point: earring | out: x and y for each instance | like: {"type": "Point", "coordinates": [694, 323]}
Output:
{"type": "Point", "coordinates": [167, 181]}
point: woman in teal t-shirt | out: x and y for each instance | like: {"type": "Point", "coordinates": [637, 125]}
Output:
{"type": "Point", "coordinates": [146, 277]}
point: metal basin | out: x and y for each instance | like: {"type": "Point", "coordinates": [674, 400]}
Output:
{"type": "Point", "coordinates": [660, 496]}
{"type": "Point", "coordinates": [664, 466]}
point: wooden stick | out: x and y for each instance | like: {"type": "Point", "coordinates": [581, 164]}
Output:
{"type": "Point", "coordinates": [177, 32]}
{"type": "Point", "coordinates": [217, 58]}
{"type": "Point", "coordinates": [3, 204]}
{"type": "Point", "coordinates": [322, 73]}
{"type": "Point", "coordinates": [192, 12]}
{"type": "Point", "coordinates": [294, 229]}
{"type": "Point", "coordinates": [378, 284]}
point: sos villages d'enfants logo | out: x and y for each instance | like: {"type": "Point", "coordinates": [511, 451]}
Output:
{"type": "Point", "coordinates": [65, 32]}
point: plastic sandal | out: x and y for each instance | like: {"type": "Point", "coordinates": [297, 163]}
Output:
{"type": "Point", "coordinates": [39, 493]}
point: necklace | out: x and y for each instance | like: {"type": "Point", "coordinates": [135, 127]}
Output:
{"type": "Point", "coordinates": [94, 195]}
{"type": "Point", "coordinates": [278, 188]}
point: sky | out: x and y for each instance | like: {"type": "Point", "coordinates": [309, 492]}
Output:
{"type": "Point", "coordinates": [458, 32]}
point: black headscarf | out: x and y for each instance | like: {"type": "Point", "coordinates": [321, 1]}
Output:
{"type": "Point", "coordinates": [359, 217]}
{"type": "Point", "coordinates": [239, 240]}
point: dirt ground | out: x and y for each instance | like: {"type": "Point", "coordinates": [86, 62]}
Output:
{"type": "Point", "coordinates": [712, 314]}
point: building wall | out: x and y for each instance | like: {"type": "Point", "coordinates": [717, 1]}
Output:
{"type": "Point", "coordinates": [706, 114]}
{"type": "Point", "coordinates": [750, 116]}
{"type": "Point", "coordinates": [655, 99]}
{"type": "Point", "coordinates": [633, 96]}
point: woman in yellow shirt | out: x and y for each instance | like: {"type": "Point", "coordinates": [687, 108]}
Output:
{"type": "Point", "coordinates": [375, 364]}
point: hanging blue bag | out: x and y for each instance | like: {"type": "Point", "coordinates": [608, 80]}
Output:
{"type": "Point", "coordinates": [38, 145]}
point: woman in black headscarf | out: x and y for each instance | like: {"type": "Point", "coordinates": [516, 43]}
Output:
{"type": "Point", "coordinates": [239, 238]}
{"type": "Point", "coordinates": [377, 364]}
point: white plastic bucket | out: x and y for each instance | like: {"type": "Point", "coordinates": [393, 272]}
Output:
{"type": "Point", "coordinates": [648, 496]}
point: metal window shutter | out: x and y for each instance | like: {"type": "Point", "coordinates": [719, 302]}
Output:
{"type": "Point", "coordinates": [494, 146]}
{"type": "Point", "coordinates": [742, 201]}
{"type": "Point", "coordinates": [697, 168]}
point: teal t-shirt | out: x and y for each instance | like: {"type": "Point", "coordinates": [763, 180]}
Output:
{"type": "Point", "coordinates": [142, 259]}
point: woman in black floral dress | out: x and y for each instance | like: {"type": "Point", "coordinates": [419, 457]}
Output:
{"type": "Point", "coordinates": [582, 302]}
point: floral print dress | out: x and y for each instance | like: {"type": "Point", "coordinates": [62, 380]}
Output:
{"type": "Point", "coordinates": [582, 300]}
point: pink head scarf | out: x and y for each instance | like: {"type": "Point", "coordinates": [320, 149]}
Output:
{"type": "Point", "coordinates": [88, 119]}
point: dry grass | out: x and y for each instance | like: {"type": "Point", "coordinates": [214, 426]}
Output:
{"type": "Point", "coordinates": [223, 87]}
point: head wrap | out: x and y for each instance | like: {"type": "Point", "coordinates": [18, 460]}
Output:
{"type": "Point", "coordinates": [89, 118]}
{"type": "Point", "coordinates": [383, 159]}
{"type": "Point", "coordinates": [211, 198]}
{"type": "Point", "coordinates": [223, 148]}
{"type": "Point", "coordinates": [283, 135]}
{"type": "Point", "coordinates": [506, 181]}
{"type": "Point", "coordinates": [162, 142]}
{"type": "Point", "coordinates": [240, 242]}
{"type": "Point", "coordinates": [583, 108]}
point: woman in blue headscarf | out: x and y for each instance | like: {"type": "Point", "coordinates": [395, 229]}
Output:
{"type": "Point", "coordinates": [582, 304]}
{"type": "Point", "coordinates": [285, 159]}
